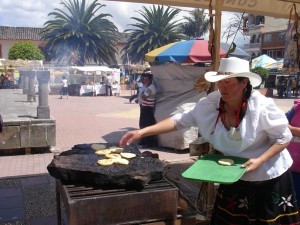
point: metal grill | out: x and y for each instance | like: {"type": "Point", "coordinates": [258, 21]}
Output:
{"type": "Point", "coordinates": [89, 205]}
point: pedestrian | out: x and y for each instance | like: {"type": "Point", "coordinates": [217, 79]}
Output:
{"type": "Point", "coordinates": [64, 88]}
{"type": "Point", "coordinates": [238, 121]}
{"type": "Point", "coordinates": [294, 87]}
{"type": "Point", "coordinates": [293, 116]}
{"type": "Point", "coordinates": [289, 83]}
{"type": "Point", "coordinates": [139, 98]}
{"type": "Point", "coordinates": [147, 107]}
{"type": "Point", "coordinates": [138, 84]}
{"type": "Point", "coordinates": [281, 87]}
{"type": "Point", "coordinates": [108, 84]}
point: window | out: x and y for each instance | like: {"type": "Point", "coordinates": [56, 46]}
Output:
{"type": "Point", "coordinates": [267, 38]}
{"type": "Point", "coordinates": [260, 20]}
{"type": "Point", "coordinates": [282, 36]}
{"type": "Point", "coordinates": [279, 54]}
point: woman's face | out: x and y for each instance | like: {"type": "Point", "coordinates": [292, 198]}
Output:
{"type": "Point", "coordinates": [232, 89]}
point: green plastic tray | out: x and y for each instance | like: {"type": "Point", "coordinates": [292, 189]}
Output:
{"type": "Point", "coordinates": [208, 169]}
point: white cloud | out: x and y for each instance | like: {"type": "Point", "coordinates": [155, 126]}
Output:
{"type": "Point", "coordinates": [34, 13]}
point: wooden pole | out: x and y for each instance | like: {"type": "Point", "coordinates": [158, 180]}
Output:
{"type": "Point", "coordinates": [217, 38]}
{"type": "Point", "coordinates": [211, 192]}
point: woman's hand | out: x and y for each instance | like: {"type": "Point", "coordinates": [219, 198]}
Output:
{"type": "Point", "coordinates": [252, 164]}
{"type": "Point", "coordinates": [269, 153]}
{"type": "Point", "coordinates": [130, 137]}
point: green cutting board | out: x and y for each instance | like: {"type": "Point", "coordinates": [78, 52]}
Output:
{"type": "Point", "coordinates": [208, 169]}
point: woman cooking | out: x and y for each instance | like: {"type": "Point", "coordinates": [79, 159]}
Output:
{"type": "Point", "coordinates": [238, 121]}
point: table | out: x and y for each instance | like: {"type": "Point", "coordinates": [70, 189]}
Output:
{"type": "Point", "coordinates": [99, 89]}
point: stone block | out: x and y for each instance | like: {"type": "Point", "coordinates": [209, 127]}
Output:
{"type": "Point", "coordinates": [51, 134]}
{"type": "Point", "coordinates": [25, 135]}
{"type": "Point", "coordinates": [10, 137]}
{"type": "Point", "coordinates": [38, 137]}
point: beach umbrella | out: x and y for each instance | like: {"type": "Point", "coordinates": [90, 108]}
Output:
{"type": "Point", "coordinates": [262, 61]}
{"type": "Point", "coordinates": [190, 51]}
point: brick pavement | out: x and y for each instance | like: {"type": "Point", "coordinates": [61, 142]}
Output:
{"type": "Point", "coordinates": [81, 120]}
{"type": "Point", "coordinates": [89, 120]}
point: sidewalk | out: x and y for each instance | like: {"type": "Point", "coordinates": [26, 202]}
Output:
{"type": "Point", "coordinates": [27, 192]}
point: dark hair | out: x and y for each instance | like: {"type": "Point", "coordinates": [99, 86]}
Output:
{"type": "Point", "coordinates": [247, 94]}
{"type": "Point", "coordinates": [248, 90]}
{"type": "Point", "coordinates": [148, 75]}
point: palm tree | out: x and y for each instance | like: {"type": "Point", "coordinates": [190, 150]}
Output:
{"type": "Point", "coordinates": [156, 28]}
{"type": "Point", "coordinates": [80, 35]}
{"type": "Point", "coordinates": [196, 25]}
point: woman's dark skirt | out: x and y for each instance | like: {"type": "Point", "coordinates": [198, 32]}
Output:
{"type": "Point", "coordinates": [261, 203]}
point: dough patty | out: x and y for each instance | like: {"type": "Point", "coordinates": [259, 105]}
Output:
{"type": "Point", "coordinates": [226, 162]}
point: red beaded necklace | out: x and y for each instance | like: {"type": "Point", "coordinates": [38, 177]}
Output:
{"type": "Point", "coordinates": [239, 114]}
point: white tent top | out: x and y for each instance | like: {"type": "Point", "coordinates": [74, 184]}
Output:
{"type": "Point", "coordinates": [93, 68]}
{"type": "Point", "coordinates": [262, 61]}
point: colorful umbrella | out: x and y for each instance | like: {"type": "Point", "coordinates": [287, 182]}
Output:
{"type": "Point", "coordinates": [190, 51]}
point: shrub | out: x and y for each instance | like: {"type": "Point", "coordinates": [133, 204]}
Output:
{"type": "Point", "coordinates": [25, 50]}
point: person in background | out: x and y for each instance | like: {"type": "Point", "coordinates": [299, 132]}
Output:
{"type": "Point", "coordinates": [138, 84]}
{"type": "Point", "coordinates": [294, 87]}
{"type": "Point", "coordinates": [139, 98]}
{"type": "Point", "coordinates": [239, 121]}
{"type": "Point", "coordinates": [147, 104]}
{"type": "Point", "coordinates": [289, 83]}
{"type": "Point", "coordinates": [102, 80]}
{"type": "Point", "coordinates": [64, 89]}
{"type": "Point", "coordinates": [2, 79]}
{"type": "Point", "coordinates": [108, 84]}
{"type": "Point", "coordinates": [293, 116]}
{"type": "Point", "coordinates": [281, 87]}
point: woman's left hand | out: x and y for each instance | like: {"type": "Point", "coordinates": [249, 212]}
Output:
{"type": "Point", "coordinates": [252, 164]}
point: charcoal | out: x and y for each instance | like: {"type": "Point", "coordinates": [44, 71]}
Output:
{"type": "Point", "coordinates": [79, 165]}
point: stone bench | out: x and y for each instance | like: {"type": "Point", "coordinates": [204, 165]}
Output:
{"type": "Point", "coordinates": [26, 124]}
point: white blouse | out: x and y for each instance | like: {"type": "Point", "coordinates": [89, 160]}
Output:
{"type": "Point", "coordinates": [263, 125]}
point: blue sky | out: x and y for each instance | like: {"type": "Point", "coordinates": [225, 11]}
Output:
{"type": "Point", "coordinates": [34, 13]}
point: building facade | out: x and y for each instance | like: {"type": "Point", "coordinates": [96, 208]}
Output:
{"type": "Point", "coordinates": [267, 35]}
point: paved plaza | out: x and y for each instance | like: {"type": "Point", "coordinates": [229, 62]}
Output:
{"type": "Point", "coordinates": [27, 191]}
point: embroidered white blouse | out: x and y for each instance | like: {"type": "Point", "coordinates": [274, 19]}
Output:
{"type": "Point", "coordinates": [263, 125]}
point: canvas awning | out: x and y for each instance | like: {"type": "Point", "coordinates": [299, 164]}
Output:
{"type": "Point", "coordinates": [273, 8]}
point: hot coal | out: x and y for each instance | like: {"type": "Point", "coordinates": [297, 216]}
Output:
{"type": "Point", "coordinates": [79, 165]}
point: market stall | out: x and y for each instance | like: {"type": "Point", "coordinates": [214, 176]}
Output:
{"type": "Point", "coordinates": [97, 86]}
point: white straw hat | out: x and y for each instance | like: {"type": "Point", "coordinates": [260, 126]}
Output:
{"type": "Point", "coordinates": [233, 67]}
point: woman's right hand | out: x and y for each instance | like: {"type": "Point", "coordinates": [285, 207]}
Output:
{"type": "Point", "coordinates": [130, 137]}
